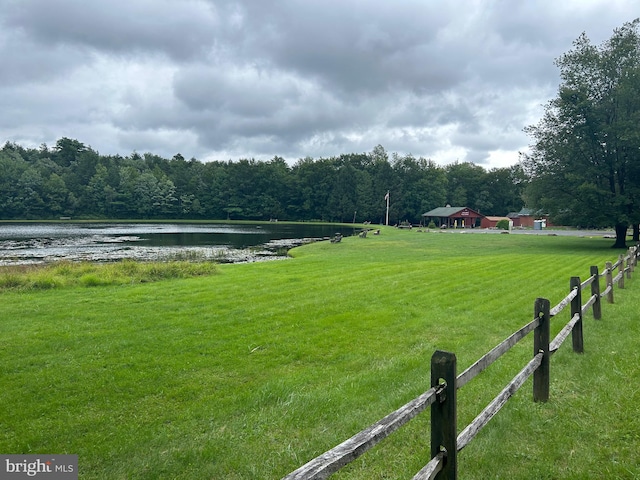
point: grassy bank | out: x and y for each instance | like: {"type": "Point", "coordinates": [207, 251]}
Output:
{"type": "Point", "coordinates": [254, 370]}
{"type": "Point", "coordinates": [87, 274]}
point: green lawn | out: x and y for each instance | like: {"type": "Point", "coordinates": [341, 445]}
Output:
{"type": "Point", "coordinates": [251, 371]}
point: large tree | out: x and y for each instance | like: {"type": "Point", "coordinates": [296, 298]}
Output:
{"type": "Point", "coordinates": [585, 159]}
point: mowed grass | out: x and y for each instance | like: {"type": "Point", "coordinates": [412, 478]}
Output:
{"type": "Point", "coordinates": [257, 368]}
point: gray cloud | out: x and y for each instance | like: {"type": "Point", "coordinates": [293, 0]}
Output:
{"type": "Point", "coordinates": [216, 79]}
{"type": "Point", "coordinates": [181, 30]}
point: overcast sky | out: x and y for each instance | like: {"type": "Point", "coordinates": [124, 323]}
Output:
{"type": "Point", "coordinates": [223, 80]}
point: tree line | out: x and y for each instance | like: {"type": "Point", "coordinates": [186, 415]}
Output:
{"type": "Point", "coordinates": [71, 179]}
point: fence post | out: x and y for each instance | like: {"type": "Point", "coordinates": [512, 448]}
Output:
{"type": "Point", "coordinates": [444, 415]}
{"type": "Point", "coordinates": [621, 270]}
{"type": "Point", "coordinates": [595, 292]}
{"type": "Point", "coordinates": [541, 337]}
{"type": "Point", "coordinates": [629, 262]}
{"type": "Point", "coordinates": [576, 308]}
{"type": "Point", "coordinates": [609, 267]}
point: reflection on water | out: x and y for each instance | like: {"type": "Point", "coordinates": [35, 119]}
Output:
{"type": "Point", "coordinates": [38, 243]}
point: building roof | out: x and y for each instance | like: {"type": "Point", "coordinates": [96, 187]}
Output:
{"type": "Point", "coordinates": [525, 212]}
{"type": "Point", "coordinates": [443, 211]}
{"type": "Point", "coordinates": [448, 212]}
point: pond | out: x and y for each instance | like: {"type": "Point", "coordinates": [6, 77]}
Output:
{"type": "Point", "coordinates": [30, 243]}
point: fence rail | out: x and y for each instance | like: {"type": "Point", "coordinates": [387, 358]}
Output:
{"type": "Point", "coordinates": [442, 396]}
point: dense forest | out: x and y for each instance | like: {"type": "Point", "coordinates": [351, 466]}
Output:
{"type": "Point", "coordinates": [73, 180]}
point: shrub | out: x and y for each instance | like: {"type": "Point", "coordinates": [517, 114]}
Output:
{"type": "Point", "coordinates": [503, 224]}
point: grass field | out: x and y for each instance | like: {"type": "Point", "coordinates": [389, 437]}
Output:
{"type": "Point", "coordinates": [251, 370]}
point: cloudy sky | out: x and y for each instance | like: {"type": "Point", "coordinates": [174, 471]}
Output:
{"type": "Point", "coordinates": [222, 80]}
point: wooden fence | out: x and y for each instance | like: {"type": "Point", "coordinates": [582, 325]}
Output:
{"type": "Point", "coordinates": [442, 396]}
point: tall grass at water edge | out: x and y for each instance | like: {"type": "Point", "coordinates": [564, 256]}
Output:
{"type": "Point", "coordinates": [253, 371]}
{"type": "Point", "coordinates": [66, 274]}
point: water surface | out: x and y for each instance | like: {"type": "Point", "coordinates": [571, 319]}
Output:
{"type": "Point", "coordinates": [45, 242]}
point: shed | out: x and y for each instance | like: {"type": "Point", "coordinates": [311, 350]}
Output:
{"type": "Point", "coordinates": [453, 217]}
{"type": "Point", "coordinates": [523, 218]}
{"type": "Point", "coordinates": [527, 218]}
{"type": "Point", "coordinates": [491, 222]}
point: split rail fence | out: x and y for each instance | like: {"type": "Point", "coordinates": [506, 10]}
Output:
{"type": "Point", "coordinates": [442, 396]}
